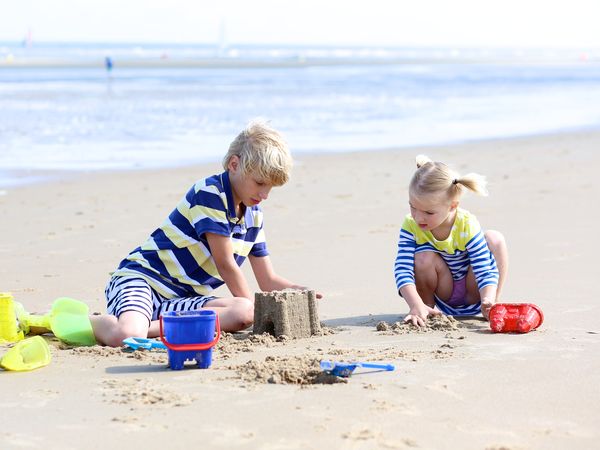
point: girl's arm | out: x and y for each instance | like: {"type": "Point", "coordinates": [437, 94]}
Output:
{"type": "Point", "coordinates": [404, 272]}
{"type": "Point", "coordinates": [488, 298]}
{"type": "Point", "coordinates": [417, 310]}
{"type": "Point", "coordinates": [485, 271]}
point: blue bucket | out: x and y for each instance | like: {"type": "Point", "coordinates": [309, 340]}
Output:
{"type": "Point", "coordinates": [190, 335]}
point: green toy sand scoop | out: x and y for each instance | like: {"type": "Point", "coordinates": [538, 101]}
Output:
{"type": "Point", "coordinates": [68, 320]}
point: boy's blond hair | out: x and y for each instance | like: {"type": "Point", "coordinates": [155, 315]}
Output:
{"type": "Point", "coordinates": [433, 177]}
{"type": "Point", "coordinates": [263, 152]}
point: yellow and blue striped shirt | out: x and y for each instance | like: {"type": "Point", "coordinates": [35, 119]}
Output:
{"type": "Point", "coordinates": [176, 259]}
{"type": "Point", "coordinates": [465, 246]}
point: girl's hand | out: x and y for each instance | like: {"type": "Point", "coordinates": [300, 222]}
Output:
{"type": "Point", "coordinates": [418, 314]}
{"type": "Point", "coordinates": [486, 305]}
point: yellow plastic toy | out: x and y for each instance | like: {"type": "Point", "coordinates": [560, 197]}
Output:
{"type": "Point", "coordinates": [68, 320]}
{"type": "Point", "coordinates": [31, 353]}
{"type": "Point", "coordinates": [9, 326]}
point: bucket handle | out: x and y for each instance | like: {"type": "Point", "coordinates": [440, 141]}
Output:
{"type": "Point", "coordinates": [186, 347]}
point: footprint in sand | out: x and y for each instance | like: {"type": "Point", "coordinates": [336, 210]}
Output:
{"type": "Point", "coordinates": [38, 398]}
{"type": "Point", "coordinates": [442, 386]}
{"type": "Point", "coordinates": [130, 423]}
{"type": "Point", "coordinates": [19, 440]}
{"type": "Point", "coordinates": [142, 392]}
{"type": "Point", "coordinates": [364, 434]}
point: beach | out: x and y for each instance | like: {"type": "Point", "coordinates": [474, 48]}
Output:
{"type": "Point", "coordinates": [333, 227]}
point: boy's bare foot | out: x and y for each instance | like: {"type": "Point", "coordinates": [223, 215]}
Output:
{"type": "Point", "coordinates": [33, 331]}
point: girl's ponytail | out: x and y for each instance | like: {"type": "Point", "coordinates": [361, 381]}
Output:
{"type": "Point", "coordinates": [436, 177]}
{"type": "Point", "coordinates": [474, 182]}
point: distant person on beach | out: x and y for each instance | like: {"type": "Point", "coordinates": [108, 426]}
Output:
{"type": "Point", "coordinates": [444, 258]}
{"type": "Point", "coordinates": [201, 246]}
{"type": "Point", "coordinates": [108, 64]}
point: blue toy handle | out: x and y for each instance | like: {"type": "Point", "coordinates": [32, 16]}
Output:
{"type": "Point", "coordinates": [145, 343]}
{"type": "Point", "coordinates": [327, 365]}
{"type": "Point", "coordinates": [388, 367]}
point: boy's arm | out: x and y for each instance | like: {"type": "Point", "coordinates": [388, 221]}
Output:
{"type": "Point", "coordinates": [222, 252]}
{"type": "Point", "coordinates": [266, 277]}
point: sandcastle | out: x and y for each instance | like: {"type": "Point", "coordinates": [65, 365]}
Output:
{"type": "Point", "coordinates": [292, 313]}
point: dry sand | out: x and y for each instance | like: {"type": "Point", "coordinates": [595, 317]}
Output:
{"type": "Point", "coordinates": [333, 227]}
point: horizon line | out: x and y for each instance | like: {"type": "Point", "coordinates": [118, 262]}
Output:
{"type": "Point", "coordinates": [19, 42]}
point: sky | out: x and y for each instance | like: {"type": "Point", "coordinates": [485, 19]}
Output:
{"type": "Point", "coordinates": [447, 23]}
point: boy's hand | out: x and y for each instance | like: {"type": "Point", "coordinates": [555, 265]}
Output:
{"type": "Point", "coordinates": [268, 280]}
{"type": "Point", "coordinates": [417, 315]}
{"type": "Point", "coordinates": [304, 288]}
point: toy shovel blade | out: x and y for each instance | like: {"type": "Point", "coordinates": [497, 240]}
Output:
{"type": "Point", "coordinates": [69, 321]}
{"type": "Point", "coordinates": [340, 369]}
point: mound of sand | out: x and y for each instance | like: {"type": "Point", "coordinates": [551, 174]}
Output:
{"type": "Point", "coordinates": [300, 370]}
{"type": "Point", "coordinates": [435, 323]}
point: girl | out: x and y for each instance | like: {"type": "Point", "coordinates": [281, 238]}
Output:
{"type": "Point", "coordinates": [444, 259]}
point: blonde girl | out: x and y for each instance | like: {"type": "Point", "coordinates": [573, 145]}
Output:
{"type": "Point", "coordinates": [444, 259]}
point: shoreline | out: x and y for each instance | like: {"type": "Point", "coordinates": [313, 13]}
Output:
{"type": "Point", "coordinates": [11, 179]}
{"type": "Point", "coordinates": [292, 62]}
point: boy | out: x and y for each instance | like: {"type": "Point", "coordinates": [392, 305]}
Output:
{"type": "Point", "coordinates": [201, 246]}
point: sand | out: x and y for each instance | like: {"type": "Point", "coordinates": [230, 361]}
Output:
{"type": "Point", "coordinates": [333, 228]}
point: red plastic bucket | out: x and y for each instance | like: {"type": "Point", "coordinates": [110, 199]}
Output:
{"type": "Point", "coordinates": [515, 317]}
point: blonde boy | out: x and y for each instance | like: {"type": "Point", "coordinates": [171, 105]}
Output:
{"type": "Point", "coordinates": [201, 246]}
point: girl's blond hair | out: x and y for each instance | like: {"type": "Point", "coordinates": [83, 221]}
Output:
{"type": "Point", "coordinates": [263, 152]}
{"type": "Point", "coordinates": [433, 177]}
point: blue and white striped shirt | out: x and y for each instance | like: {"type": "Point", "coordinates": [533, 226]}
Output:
{"type": "Point", "coordinates": [176, 259]}
{"type": "Point", "coordinates": [465, 246]}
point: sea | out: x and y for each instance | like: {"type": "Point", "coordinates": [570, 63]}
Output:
{"type": "Point", "coordinates": [90, 107]}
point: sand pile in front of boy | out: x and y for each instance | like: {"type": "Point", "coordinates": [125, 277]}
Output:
{"type": "Point", "coordinates": [301, 370]}
{"type": "Point", "coordinates": [305, 369]}
{"type": "Point", "coordinates": [435, 323]}
{"type": "Point", "coordinates": [234, 343]}
{"type": "Point", "coordinates": [229, 344]}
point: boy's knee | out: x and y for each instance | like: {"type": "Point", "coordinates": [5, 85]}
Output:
{"type": "Point", "coordinates": [242, 314]}
{"type": "Point", "coordinates": [115, 340]}
{"type": "Point", "coordinates": [120, 334]}
{"type": "Point", "coordinates": [124, 330]}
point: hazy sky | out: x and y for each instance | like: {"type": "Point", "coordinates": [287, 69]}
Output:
{"type": "Point", "coordinates": [475, 23]}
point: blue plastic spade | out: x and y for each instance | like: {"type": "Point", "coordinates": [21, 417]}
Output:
{"type": "Point", "coordinates": [340, 369]}
{"type": "Point", "coordinates": [145, 343]}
